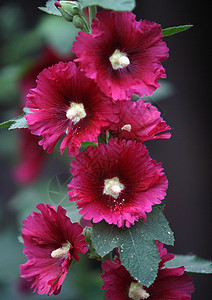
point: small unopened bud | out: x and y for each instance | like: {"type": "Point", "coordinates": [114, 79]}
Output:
{"type": "Point", "coordinates": [79, 22]}
{"type": "Point", "coordinates": [69, 9]}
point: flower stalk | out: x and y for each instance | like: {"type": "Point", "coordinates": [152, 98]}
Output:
{"type": "Point", "coordinates": [92, 13]}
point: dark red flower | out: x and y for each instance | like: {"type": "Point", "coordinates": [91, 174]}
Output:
{"type": "Point", "coordinates": [65, 102]}
{"type": "Point", "coordinates": [51, 243]}
{"type": "Point", "coordinates": [123, 56]}
{"type": "Point", "coordinates": [139, 121]}
{"type": "Point", "coordinates": [169, 284]}
{"type": "Point", "coordinates": [117, 182]}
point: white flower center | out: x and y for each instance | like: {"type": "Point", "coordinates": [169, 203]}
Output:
{"type": "Point", "coordinates": [113, 187]}
{"type": "Point", "coordinates": [61, 252]}
{"type": "Point", "coordinates": [76, 112]}
{"type": "Point", "coordinates": [137, 292]}
{"type": "Point", "coordinates": [127, 127]}
{"type": "Point", "coordinates": [119, 60]}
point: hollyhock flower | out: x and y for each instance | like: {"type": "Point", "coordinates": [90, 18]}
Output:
{"type": "Point", "coordinates": [139, 121]}
{"type": "Point", "coordinates": [31, 155]}
{"type": "Point", "coordinates": [117, 182]}
{"type": "Point", "coordinates": [122, 55]}
{"type": "Point", "coordinates": [169, 284]}
{"type": "Point", "coordinates": [65, 102]}
{"type": "Point", "coordinates": [51, 243]}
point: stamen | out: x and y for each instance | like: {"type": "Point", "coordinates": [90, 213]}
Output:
{"type": "Point", "coordinates": [119, 60]}
{"type": "Point", "coordinates": [127, 127]}
{"type": "Point", "coordinates": [137, 292]}
{"type": "Point", "coordinates": [113, 187]}
{"type": "Point", "coordinates": [124, 61]}
{"type": "Point", "coordinates": [61, 252]}
{"type": "Point", "coordinates": [76, 112]}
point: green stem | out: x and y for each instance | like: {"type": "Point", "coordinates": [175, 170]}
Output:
{"type": "Point", "coordinates": [92, 13]}
{"type": "Point", "coordinates": [86, 26]}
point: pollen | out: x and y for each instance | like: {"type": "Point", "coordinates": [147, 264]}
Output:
{"type": "Point", "coordinates": [76, 112]}
{"type": "Point", "coordinates": [61, 252]}
{"type": "Point", "coordinates": [119, 60]}
{"type": "Point", "coordinates": [113, 187]}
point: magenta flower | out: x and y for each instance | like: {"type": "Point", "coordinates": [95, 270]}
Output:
{"type": "Point", "coordinates": [169, 284]}
{"type": "Point", "coordinates": [139, 121]}
{"type": "Point", "coordinates": [51, 243]}
{"type": "Point", "coordinates": [65, 102]}
{"type": "Point", "coordinates": [123, 56]}
{"type": "Point", "coordinates": [117, 182]}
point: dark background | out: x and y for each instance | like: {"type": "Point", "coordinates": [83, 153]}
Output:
{"type": "Point", "coordinates": [185, 156]}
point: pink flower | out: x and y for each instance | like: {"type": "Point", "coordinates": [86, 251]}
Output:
{"type": "Point", "coordinates": [117, 182]}
{"type": "Point", "coordinates": [65, 102]}
{"type": "Point", "coordinates": [51, 243]}
{"type": "Point", "coordinates": [123, 56]}
{"type": "Point", "coordinates": [139, 121]}
{"type": "Point", "coordinates": [169, 284]}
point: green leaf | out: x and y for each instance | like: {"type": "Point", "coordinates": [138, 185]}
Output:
{"type": "Point", "coordinates": [19, 122]}
{"type": "Point", "coordinates": [192, 263]}
{"type": "Point", "coordinates": [7, 123]}
{"type": "Point", "coordinates": [176, 29]}
{"type": "Point", "coordinates": [137, 246]}
{"type": "Point", "coordinates": [16, 123]}
{"type": "Point", "coordinates": [50, 8]}
{"type": "Point", "coordinates": [120, 5]}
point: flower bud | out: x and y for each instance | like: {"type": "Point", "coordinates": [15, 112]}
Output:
{"type": "Point", "coordinates": [79, 22]}
{"type": "Point", "coordinates": [69, 9]}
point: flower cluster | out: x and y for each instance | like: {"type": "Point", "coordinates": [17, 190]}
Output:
{"type": "Point", "coordinates": [117, 180]}
{"type": "Point", "coordinates": [169, 284]}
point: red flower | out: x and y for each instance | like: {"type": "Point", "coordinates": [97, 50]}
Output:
{"type": "Point", "coordinates": [123, 56]}
{"type": "Point", "coordinates": [139, 121]}
{"type": "Point", "coordinates": [169, 284]}
{"type": "Point", "coordinates": [117, 182]}
{"type": "Point", "coordinates": [51, 243]}
{"type": "Point", "coordinates": [67, 102]}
